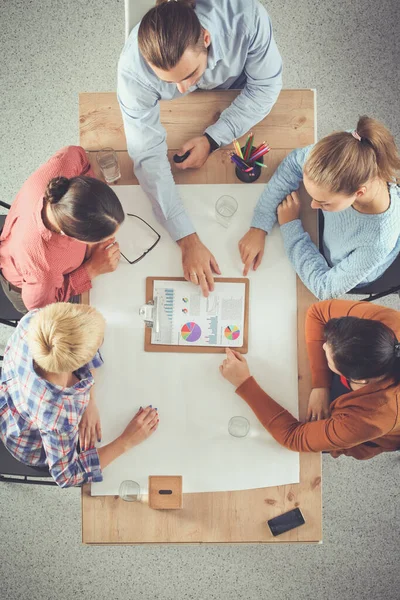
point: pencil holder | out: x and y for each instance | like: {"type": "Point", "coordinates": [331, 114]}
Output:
{"type": "Point", "coordinates": [252, 175]}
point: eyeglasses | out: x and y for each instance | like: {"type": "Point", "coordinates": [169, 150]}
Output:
{"type": "Point", "coordinates": [132, 262]}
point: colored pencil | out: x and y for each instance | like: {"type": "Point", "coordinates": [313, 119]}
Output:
{"type": "Point", "coordinates": [257, 155]}
{"type": "Point", "coordinates": [240, 163]}
{"type": "Point", "coordinates": [262, 148]}
{"type": "Point", "coordinates": [259, 147]}
{"type": "Point", "coordinates": [238, 148]}
{"type": "Point", "coordinates": [249, 145]}
{"type": "Point", "coordinates": [261, 165]}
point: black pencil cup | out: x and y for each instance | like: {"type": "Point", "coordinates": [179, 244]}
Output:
{"type": "Point", "coordinates": [252, 175]}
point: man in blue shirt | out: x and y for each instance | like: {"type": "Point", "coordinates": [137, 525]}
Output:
{"type": "Point", "coordinates": [181, 46]}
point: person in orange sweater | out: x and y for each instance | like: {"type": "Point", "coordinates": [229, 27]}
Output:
{"type": "Point", "coordinates": [354, 405]}
{"type": "Point", "coordinates": [60, 212]}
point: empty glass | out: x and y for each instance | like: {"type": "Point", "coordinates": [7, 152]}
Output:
{"type": "Point", "coordinates": [239, 427]}
{"type": "Point", "coordinates": [108, 162]}
{"type": "Point", "coordinates": [129, 491]}
{"type": "Point", "coordinates": [225, 208]}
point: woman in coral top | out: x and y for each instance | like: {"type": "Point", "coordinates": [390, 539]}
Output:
{"type": "Point", "coordinates": [353, 409]}
{"type": "Point", "coordinates": [60, 211]}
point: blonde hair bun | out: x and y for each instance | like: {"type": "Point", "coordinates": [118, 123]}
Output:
{"type": "Point", "coordinates": [63, 337]}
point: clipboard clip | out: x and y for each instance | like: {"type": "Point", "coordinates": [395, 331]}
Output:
{"type": "Point", "coordinates": [150, 314]}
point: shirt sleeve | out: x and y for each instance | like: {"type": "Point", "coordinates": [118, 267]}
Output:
{"type": "Point", "coordinates": [341, 431]}
{"type": "Point", "coordinates": [285, 180]}
{"type": "Point", "coordinates": [263, 70]}
{"type": "Point", "coordinates": [50, 288]}
{"type": "Point", "coordinates": [70, 161]}
{"type": "Point", "coordinates": [321, 279]}
{"type": "Point", "coordinates": [67, 467]}
{"type": "Point", "coordinates": [147, 147]}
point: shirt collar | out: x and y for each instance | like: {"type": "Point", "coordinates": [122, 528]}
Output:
{"type": "Point", "coordinates": [214, 50]}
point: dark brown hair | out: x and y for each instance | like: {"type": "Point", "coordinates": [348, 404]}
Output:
{"type": "Point", "coordinates": [363, 348]}
{"type": "Point", "coordinates": [167, 30]}
{"type": "Point", "coordinates": [84, 208]}
{"type": "Point", "coordinates": [342, 164]}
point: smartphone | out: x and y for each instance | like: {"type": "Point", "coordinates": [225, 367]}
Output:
{"type": "Point", "coordinates": [286, 522]}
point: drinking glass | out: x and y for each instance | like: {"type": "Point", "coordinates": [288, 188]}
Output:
{"type": "Point", "coordinates": [129, 491]}
{"type": "Point", "coordinates": [225, 208]}
{"type": "Point", "coordinates": [239, 426]}
{"type": "Point", "coordinates": [108, 162]}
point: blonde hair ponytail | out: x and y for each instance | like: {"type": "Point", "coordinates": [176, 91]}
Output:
{"type": "Point", "coordinates": [342, 162]}
{"type": "Point", "coordinates": [63, 337]}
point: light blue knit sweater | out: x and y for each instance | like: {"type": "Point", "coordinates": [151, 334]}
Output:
{"type": "Point", "coordinates": [358, 247]}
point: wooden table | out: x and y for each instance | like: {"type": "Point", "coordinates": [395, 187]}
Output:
{"type": "Point", "coordinates": [223, 517]}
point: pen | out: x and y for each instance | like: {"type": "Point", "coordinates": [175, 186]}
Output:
{"type": "Point", "coordinates": [110, 246]}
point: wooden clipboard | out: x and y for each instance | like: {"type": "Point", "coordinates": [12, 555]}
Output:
{"type": "Point", "coordinates": [149, 347]}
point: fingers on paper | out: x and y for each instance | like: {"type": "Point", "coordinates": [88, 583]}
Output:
{"type": "Point", "coordinates": [204, 284]}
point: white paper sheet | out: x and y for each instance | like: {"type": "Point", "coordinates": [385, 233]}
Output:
{"type": "Point", "coordinates": [195, 403]}
{"type": "Point", "coordinates": [184, 317]}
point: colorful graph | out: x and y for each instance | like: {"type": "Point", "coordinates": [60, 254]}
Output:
{"type": "Point", "coordinates": [169, 303]}
{"type": "Point", "coordinates": [185, 300]}
{"type": "Point", "coordinates": [232, 332]}
{"type": "Point", "coordinates": [212, 323]}
{"type": "Point", "coordinates": [191, 332]}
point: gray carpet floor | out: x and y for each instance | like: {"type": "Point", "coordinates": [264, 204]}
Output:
{"type": "Point", "coordinates": [51, 50]}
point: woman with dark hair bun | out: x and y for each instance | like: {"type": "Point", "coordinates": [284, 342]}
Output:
{"type": "Point", "coordinates": [59, 233]}
{"type": "Point", "coordinates": [354, 354]}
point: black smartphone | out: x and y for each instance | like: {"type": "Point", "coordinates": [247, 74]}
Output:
{"type": "Point", "coordinates": [286, 522]}
{"type": "Point", "coordinates": [180, 159]}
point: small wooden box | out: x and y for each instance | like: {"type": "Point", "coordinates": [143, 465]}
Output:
{"type": "Point", "coordinates": [165, 492]}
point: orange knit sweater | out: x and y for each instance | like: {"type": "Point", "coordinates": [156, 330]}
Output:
{"type": "Point", "coordinates": [370, 414]}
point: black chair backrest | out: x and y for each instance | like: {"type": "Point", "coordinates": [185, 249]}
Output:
{"type": "Point", "coordinates": [387, 283]}
{"type": "Point", "coordinates": [14, 471]}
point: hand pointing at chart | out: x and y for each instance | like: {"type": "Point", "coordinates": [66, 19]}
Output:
{"type": "Point", "coordinates": [198, 263]}
{"type": "Point", "coordinates": [234, 368]}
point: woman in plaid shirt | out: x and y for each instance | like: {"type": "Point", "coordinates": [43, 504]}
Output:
{"type": "Point", "coordinates": [48, 414]}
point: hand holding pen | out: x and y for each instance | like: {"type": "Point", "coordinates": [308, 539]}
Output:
{"type": "Point", "coordinates": [104, 258]}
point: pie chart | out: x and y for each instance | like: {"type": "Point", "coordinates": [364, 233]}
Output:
{"type": "Point", "coordinates": [191, 332]}
{"type": "Point", "coordinates": [232, 332]}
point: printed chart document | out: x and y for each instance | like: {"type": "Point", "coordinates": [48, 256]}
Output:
{"type": "Point", "coordinates": [186, 318]}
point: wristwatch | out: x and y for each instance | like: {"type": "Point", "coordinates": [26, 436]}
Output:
{"type": "Point", "coordinates": [213, 143]}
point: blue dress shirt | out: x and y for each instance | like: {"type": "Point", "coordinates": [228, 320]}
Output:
{"type": "Point", "coordinates": [242, 55]}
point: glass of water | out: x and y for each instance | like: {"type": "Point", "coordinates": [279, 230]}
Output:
{"type": "Point", "coordinates": [129, 491]}
{"type": "Point", "coordinates": [225, 208]}
{"type": "Point", "coordinates": [239, 427]}
{"type": "Point", "coordinates": [108, 162]}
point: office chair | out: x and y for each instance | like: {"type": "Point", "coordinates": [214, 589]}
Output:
{"type": "Point", "coordinates": [13, 471]}
{"type": "Point", "coordinates": [8, 314]}
{"type": "Point", "coordinates": [387, 283]}
{"type": "Point", "coordinates": [134, 11]}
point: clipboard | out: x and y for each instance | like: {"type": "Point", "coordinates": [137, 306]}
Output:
{"type": "Point", "coordinates": [148, 311]}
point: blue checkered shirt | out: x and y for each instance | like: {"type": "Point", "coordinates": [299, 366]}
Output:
{"type": "Point", "coordinates": [39, 420]}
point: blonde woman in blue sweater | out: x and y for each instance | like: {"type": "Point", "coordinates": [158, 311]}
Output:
{"type": "Point", "coordinates": [352, 177]}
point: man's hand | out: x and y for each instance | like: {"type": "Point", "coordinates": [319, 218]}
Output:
{"type": "Point", "coordinates": [199, 148]}
{"type": "Point", "coordinates": [90, 426]}
{"type": "Point", "coordinates": [289, 209]}
{"type": "Point", "coordinates": [104, 258]}
{"type": "Point", "coordinates": [318, 404]}
{"type": "Point", "coordinates": [198, 263]}
{"type": "Point", "coordinates": [251, 248]}
{"type": "Point", "coordinates": [234, 368]}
